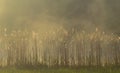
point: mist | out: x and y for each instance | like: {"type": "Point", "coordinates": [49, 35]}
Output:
{"type": "Point", "coordinates": [42, 14]}
{"type": "Point", "coordinates": [59, 33]}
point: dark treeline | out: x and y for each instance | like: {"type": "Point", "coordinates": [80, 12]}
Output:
{"type": "Point", "coordinates": [59, 48]}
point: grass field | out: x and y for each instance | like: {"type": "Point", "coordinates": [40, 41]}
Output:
{"type": "Point", "coordinates": [61, 70]}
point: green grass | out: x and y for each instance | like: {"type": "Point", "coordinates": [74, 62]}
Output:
{"type": "Point", "coordinates": [61, 70]}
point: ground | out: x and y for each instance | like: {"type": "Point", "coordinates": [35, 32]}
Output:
{"type": "Point", "coordinates": [61, 70]}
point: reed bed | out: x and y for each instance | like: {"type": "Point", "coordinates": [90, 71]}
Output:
{"type": "Point", "coordinates": [59, 48]}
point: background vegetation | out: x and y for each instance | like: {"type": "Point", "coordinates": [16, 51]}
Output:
{"type": "Point", "coordinates": [60, 33]}
{"type": "Point", "coordinates": [61, 47]}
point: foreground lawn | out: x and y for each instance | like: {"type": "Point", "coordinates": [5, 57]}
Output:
{"type": "Point", "coordinates": [60, 70]}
